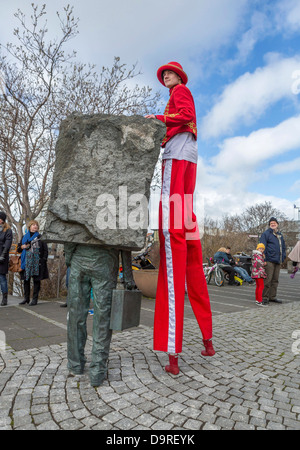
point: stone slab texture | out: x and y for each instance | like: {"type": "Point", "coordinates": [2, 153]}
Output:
{"type": "Point", "coordinates": [101, 183]}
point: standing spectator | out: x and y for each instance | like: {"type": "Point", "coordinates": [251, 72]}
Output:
{"type": "Point", "coordinates": [294, 256]}
{"type": "Point", "coordinates": [239, 270]}
{"type": "Point", "coordinates": [275, 255]}
{"type": "Point", "coordinates": [5, 244]}
{"type": "Point", "coordinates": [259, 273]}
{"type": "Point", "coordinates": [33, 262]}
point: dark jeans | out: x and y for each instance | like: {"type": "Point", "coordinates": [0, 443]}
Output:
{"type": "Point", "coordinates": [36, 289]}
{"type": "Point", "coordinates": [230, 271]}
{"type": "Point", "coordinates": [3, 283]}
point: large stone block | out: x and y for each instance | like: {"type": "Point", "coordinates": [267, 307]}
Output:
{"type": "Point", "coordinates": [101, 183]}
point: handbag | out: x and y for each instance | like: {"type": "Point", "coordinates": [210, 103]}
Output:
{"type": "Point", "coordinates": [14, 264]}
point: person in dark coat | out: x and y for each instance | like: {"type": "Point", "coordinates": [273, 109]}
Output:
{"type": "Point", "coordinates": [33, 262]}
{"type": "Point", "coordinates": [275, 254]}
{"type": "Point", "coordinates": [6, 237]}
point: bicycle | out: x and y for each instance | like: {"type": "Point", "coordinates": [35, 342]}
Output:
{"type": "Point", "coordinates": [142, 260]}
{"type": "Point", "coordinates": [215, 271]}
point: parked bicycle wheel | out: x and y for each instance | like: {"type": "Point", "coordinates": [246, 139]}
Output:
{"type": "Point", "coordinates": [219, 277]}
{"type": "Point", "coordinates": [207, 274]}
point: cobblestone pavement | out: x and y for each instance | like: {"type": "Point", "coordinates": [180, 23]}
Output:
{"type": "Point", "coordinates": [252, 382]}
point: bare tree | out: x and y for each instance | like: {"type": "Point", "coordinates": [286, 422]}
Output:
{"type": "Point", "coordinates": [157, 176]}
{"type": "Point", "coordinates": [256, 218]}
{"type": "Point", "coordinates": [235, 230]}
{"type": "Point", "coordinates": [222, 233]}
{"type": "Point", "coordinates": [41, 85]}
{"type": "Point", "coordinates": [233, 224]}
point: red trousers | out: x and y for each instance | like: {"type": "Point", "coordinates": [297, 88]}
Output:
{"type": "Point", "coordinates": [259, 289]}
{"type": "Point", "coordinates": [180, 259]}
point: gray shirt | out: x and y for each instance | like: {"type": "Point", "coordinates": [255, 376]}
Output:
{"type": "Point", "coordinates": [182, 146]}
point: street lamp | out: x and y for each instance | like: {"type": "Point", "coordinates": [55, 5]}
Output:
{"type": "Point", "coordinates": [297, 219]}
{"type": "Point", "coordinates": [297, 207]}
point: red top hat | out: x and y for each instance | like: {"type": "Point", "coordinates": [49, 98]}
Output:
{"type": "Point", "coordinates": [175, 67]}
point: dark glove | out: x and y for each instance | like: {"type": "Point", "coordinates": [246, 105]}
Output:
{"type": "Point", "coordinates": [2, 256]}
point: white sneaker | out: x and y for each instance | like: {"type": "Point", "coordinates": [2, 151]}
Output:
{"type": "Point", "coordinates": [260, 304]}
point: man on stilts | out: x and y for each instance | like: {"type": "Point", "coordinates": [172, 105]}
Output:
{"type": "Point", "coordinates": [180, 246]}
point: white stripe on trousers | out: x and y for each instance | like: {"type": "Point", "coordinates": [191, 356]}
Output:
{"type": "Point", "coordinates": [168, 251]}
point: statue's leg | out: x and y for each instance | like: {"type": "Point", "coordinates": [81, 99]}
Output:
{"type": "Point", "coordinates": [78, 307]}
{"type": "Point", "coordinates": [104, 280]}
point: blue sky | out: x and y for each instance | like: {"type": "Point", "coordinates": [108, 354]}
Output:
{"type": "Point", "coordinates": [243, 62]}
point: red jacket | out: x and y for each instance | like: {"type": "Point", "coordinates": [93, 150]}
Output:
{"type": "Point", "coordinates": [180, 114]}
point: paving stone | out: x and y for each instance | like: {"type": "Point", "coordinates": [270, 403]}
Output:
{"type": "Point", "coordinates": [132, 412]}
{"type": "Point", "coordinates": [161, 425]}
{"type": "Point", "coordinates": [291, 424]}
{"type": "Point", "coordinates": [160, 413]}
{"type": "Point", "coordinates": [258, 422]}
{"type": "Point", "coordinates": [49, 425]}
{"type": "Point", "coordinates": [275, 426]}
{"type": "Point", "coordinates": [103, 426]}
{"type": "Point", "coordinates": [125, 424]}
{"type": "Point", "coordinates": [177, 419]}
{"type": "Point", "coordinates": [71, 424]}
{"type": "Point", "coordinates": [81, 413]}
{"type": "Point", "coordinates": [113, 417]}
{"type": "Point", "coordinates": [246, 386]}
{"type": "Point", "coordinates": [146, 420]}
{"type": "Point", "coordinates": [42, 418]}
{"type": "Point", "coordinates": [225, 423]}
{"type": "Point", "coordinates": [210, 426]}
{"type": "Point", "coordinates": [62, 415]}
{"type": "Point", "coordinates": [243, 426]}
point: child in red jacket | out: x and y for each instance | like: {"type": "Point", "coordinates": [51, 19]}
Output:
{"type": "Point", "coordinates": [258, 273]}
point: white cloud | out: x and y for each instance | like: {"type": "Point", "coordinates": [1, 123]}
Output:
{"type": "Point", "coordinates": [248, 97]}
{"type": "Point", "coordinates": [285, 167]}
{"type": "Point", "coordinates": [295, 187]}
{"type": "Point", "coordinates": [247, 152]}
{"type": "Point", "coordinates": [223, 182]}
{"type": "Point", "coordinates": [222, 193]}
{"type": "Point", "coordinates": [137, 27]}
{"type": "Point", "coordinates": [152, 33]}
{"type": "Point", "coordinates": [260, 27]}
{"type": "Point", "coordinates": [288, 15]}
{"type": "Point", "coordinates": [156, 32]}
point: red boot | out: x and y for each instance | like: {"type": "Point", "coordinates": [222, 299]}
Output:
{"type": "Point", "coordinates": [209, 350]}
{"type": "Point", "coordinates": [173, 366]}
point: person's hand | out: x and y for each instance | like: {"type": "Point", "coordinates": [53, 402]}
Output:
{"type": "Point", "coordinates": [25, 246]}
{"type": "Point", "coordinates": [150, 116]}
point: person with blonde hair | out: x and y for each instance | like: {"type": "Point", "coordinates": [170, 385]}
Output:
{"type": "Point", "coordinates": [258, 273]}
{"type": "Point", "coordinates": [6, 237]}
{"type": "Point", "coordinates": [221, 257]}
{"type": "Point", "coordinates": [34, 255]}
